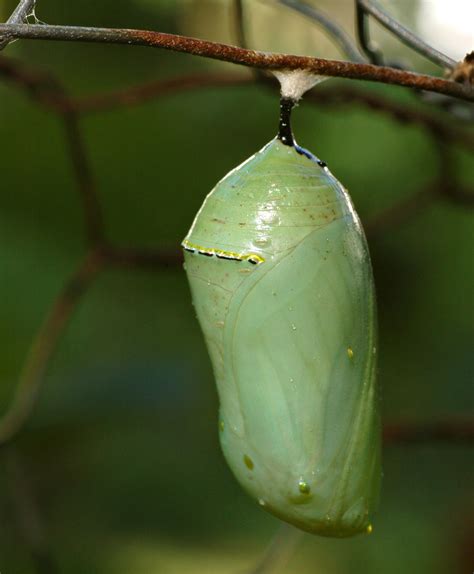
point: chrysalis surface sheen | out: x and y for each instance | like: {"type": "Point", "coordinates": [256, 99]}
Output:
{"type": "Point", "coordinates": [282, 285]}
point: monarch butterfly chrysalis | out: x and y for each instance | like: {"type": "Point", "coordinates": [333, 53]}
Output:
{"type": "Point", "coordinates": [282, 285]}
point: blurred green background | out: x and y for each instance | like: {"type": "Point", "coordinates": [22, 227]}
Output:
{"type": "Point", "coordinates": [121, 457]}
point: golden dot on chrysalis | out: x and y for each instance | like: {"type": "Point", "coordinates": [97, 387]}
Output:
{"type": "Point", "coordinates": [369, 529]}
{"type": "Point", "coordinates": [350, 353]}
{"type": "Point", "coordinates": [304, 487]}
{"type": "Point", "coordinates": [248, 462]}
{"type": "Point", "coordinates": [221, 425]}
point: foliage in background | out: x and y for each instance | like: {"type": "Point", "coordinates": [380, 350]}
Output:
{"type": "Point", "coordinates": [121, 457]}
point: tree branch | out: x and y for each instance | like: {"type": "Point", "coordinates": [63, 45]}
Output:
{"type": "Point", "coordinates": [137, 95]}
{"type": "Point", "coordinates": [336, 32]}
{"type": "Point", "coordinates": [44, 89]}
{"type": "Point", "coordinates": [240, 23]}
{"type": "Point", "coordinates": [409, 114]}
{"type": "Point", "coordinates": [47, 91]}
{"type": "Point", "coordinates": [27, 513]}
{"type": "Point", "coordinates": [446, 186]}
{"type": "Point", "coordinates": [40, 86]}
{"type": "Point", "coordinates": [21, 11]}
{"type": "Point", "coordinates": [153, 259]}
{"type": "Point", "coordinates": [373, 54]}
{"type": "Point", "coordinates": [403, 34]}
{"type": "Point", "coordinates": [456, 431]}
{"type": "Point", "coordinates": [279, 551]}
{"type": "Point", "coordinates": [401, 211]}
{"type": "Point", "coordinates": [236, 55]}
{"type": "Point", "coordinates": [91, 206]}
{"type": "Point", "coordinates": [328, 96]}
{"type": "Point", "coordinates": [45, 344]}
{"type": "Point", "coordinates": [19, 15]}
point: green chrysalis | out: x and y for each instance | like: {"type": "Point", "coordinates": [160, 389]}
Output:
{"type": "Point", "coordinates": [282, 285]}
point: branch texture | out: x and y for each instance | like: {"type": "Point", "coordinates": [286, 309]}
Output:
{"type": "Point", "coordinates": [236, 55]}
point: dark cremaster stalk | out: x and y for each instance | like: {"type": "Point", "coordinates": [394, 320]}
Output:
{"type": "Point", "coordinates": [285, 135]}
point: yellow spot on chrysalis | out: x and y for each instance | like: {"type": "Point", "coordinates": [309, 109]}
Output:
{"type": "Point", "coordinates": [304, 487]}
{"type": "Point", "coordinates": [369, 529]}
{"type": "Point", "coordinates": [350, 353]}
{"type": "Point", "coordinates": [248, 462]}
{"type": "Point", "coordinates": [221, 426]}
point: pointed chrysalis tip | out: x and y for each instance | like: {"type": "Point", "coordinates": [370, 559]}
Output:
{"type": "Point", "coordinates": [295, 83]}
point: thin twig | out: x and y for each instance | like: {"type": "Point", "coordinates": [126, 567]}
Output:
{"type": "Point", "coordinates": [21, 11]}
{"type": "Point", "coordinates": [373, 54]}
{"type": "Point", "coordinates": [40, 86]}
{"type": "Point", "coordinates": [336, 32]}
{"type": "Point", "coordinates": [329, 96]}
{"type": "Point", "coordinates": [45, 344]}
{"type": "Point", "coordinates": [401, 212]}
{"type": "Point", "coordinates": [406, 36]}
{"type": "Point", "coordinates": [453, 431]}
{"type": "Point", "coordinates": [446, 186]}
{"type": "Point", "coordinates": [279, 551]}
{"type": "Point", "coordinates": [54, 94]}
{"type": "Point", "coordinates": [48, 337]}
{"type": "Point", "coordinates": [92, 210]}
{"type": "Point", "coordinates": [18, 16]}
{"type": "Point", "coordinates": [44, 90]}
{"type": "Point", "coordinates": [417, 115]}
{"type": "Point", "coordinates": [236, 55]}
{"type": "Point", "coordinates": [406, 209]}
{"type": "Point", "coordinates": [27, 513]}
{"type": "Point", "coordinates": [153, 259]}
{"type": "Point", "coordinates": [242, 38]}
{"type": "Point", "coordinates": [240, 24]}
{"type": "Point", "coordinates": [137, 95]}
{"type": "Point", "coordinates": [47, 91]}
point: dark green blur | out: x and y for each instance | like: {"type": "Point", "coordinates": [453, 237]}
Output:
{"type": "Point", "coordinates": [120, 462]}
